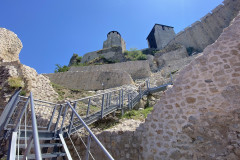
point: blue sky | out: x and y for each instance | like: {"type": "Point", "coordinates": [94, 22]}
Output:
{"type": "Point", "coordinates": [52, 30]}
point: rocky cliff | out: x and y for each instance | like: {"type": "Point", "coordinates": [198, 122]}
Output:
{"type": "Point", "coordinates": [14, 74]}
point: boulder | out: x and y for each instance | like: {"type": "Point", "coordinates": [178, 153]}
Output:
{"type": "Point", "coordinates": [10, 46]}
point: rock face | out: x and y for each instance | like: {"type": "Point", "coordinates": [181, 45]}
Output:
{"type": "Point", "coordinates": [137, 69]}
{"type": "Point", "coordinates": [10, 46]}
{"type": "Point", "coordinates": [162, 59]}
{"type": "Point", "coordinates": [12, 69]}
{"type": "Point", "coordinates": [198, 118]}
{"type": "Point", "coordinates": [91, 80]}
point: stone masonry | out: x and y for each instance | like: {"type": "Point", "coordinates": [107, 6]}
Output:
{"type": "Point", "coordinates": [198, 118]}
{"type": "Point", "coordinates": [114, 39]}
{"type": "Point", "coordinates": [91, 80]}
{"type": "Point", "coordinates": [137, 69]}
{"type": "Point", "coordinates": [113, 49]}
{"type": "Point", "coordinates": [160, 36]}
{"type": "Point", "coordinates": [204, 32]}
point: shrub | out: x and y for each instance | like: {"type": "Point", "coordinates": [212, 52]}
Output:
{"type": "Point", "coordinates": [23, 92]}
{"type": "Point", "coordinates": [60, 68]}
{"type": "Point", "coordinates": [15, 82]}
{"type": "Point", "coordinates": [134, 55]}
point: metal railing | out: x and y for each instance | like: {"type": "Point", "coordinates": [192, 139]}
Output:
{"type": "Point", "coordinates": [66, 118]}
{"type": "Point", "coordinates": [17, 127]}
{"type": "Point", "coordinates": [91, 135]}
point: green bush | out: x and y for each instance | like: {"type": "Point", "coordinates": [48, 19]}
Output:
{"type": "Point", "coordinates": [138, 114]}
{"type": "Point", "coordinates": [15, 82]}
{"type": "Point", "coordinates": [134, 55]}
{"type": "Point", "coordinates": [60, 68]}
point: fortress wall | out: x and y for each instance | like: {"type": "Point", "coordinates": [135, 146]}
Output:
{"type": "Point", "coordinates": [199, 116]}
{"type": "Point", "coordinates": [112, 54]}
{"type": "Point", "coordinates": [137, 69]}
{"type": "Point", "coordinates": [91, 80]}
{"type": "Point", "coordinates": [205, 32]}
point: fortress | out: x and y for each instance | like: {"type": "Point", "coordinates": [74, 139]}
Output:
{"type": "Point", "coordinates": [114, 39]}
{"type": "Point", "coordinates": [196, 118]}
{"type": "Point", "coordinates": [113, 49]}
{"type": "Point", "coordinates": [201, 33]}
{"type": "Point", "coordinates": [160, 36]}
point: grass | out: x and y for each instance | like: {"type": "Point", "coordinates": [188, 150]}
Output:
{"type": "Point", "coordinates": [64, 92]}
{"type": "Point", "coordinates": [15, 82]}
{"type": "Point", "coordinates": [134, 55]}
{"type": "Point", "coordinates": [138, 114]}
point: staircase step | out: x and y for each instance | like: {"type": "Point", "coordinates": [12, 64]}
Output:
{"type": "Point", "coordinates": [46, 155]}
{"type": "Point", "coordinates": [44, 145]}
{"type": "Point", "coordinates": [42, 138]}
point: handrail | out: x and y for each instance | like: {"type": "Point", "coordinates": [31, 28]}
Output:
{"type": "Point", "coordinates": [8, 110]}
{"type": "Point", "coordinates": [90, 132]}
{"type": "Point", "coordinates": [12, 147]}
{"type": "Point", "coordinates": [38, 155]}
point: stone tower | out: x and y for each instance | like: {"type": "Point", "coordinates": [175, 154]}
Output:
{"type": "Point", "coordinates": [160, 36]}
{"type": "Point", "coordinates": [114, 39]}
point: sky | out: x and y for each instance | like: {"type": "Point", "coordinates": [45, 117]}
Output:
{"type": "Point", "coordinates": [52, 30]}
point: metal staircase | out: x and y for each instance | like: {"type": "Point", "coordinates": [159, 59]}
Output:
{"type": "Point", "coordinates": [38, 129]}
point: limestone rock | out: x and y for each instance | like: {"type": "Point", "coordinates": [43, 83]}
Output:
{"type": "Point", "coordinates": [10, 46]}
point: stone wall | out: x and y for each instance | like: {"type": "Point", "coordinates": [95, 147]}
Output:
{"type": "Point", "coordinates": [91, 80]}
{"type": "Point", "coordinates": [160, 36]}
{"type": "Point", "coordinates": [204, 32]}
{"type": "Point", "coordinates": [137, 69]}
{"type": "Point", "coordinates": [113, 54]}
{"type": "Point", "coordinates": [114, 39]}
{"type": "Point", "coordinates": [121, 141]}
{"type": "Point", "coordinates": [198, 118]}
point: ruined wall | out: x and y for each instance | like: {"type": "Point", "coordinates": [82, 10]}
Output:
{"type": "Point", "coordinates": [199, 117]}
{"type": "Point", "coordinates": [137, 69]}
{"type": "Point", "coordinates": [114, 54]}
{"type": "Point", "coordinates": [204, 32]}
{"type": "Point", "coordinates": [91, 80]}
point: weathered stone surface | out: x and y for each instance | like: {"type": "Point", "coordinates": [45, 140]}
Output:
{"type": "Point", "coordinates": [205, 122]}
{"type": "Point", "coordinates": [173, 61]}
{"type": "Point", "coordinates": [137, 69]}
{"type": "Point", "coordinates": [203, 33]}
{"type": "Point", "coordinates": [113, 54]}
{"type": "Point", "coordinates": [10, 67]}
{"type": "Point", "coordinates": [10, 46]}
{"type": "Point", "coordinates": [114, 39]}
{"type": "Point", "coordinates": [91, 80]}
{"type": "Point", "coordinates": [232, 94]}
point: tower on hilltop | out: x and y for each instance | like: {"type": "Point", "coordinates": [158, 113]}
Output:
{"type": "Point", "coordinates": [114, 39]}
{"type": "Point", "coordinates": [160, 36]}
